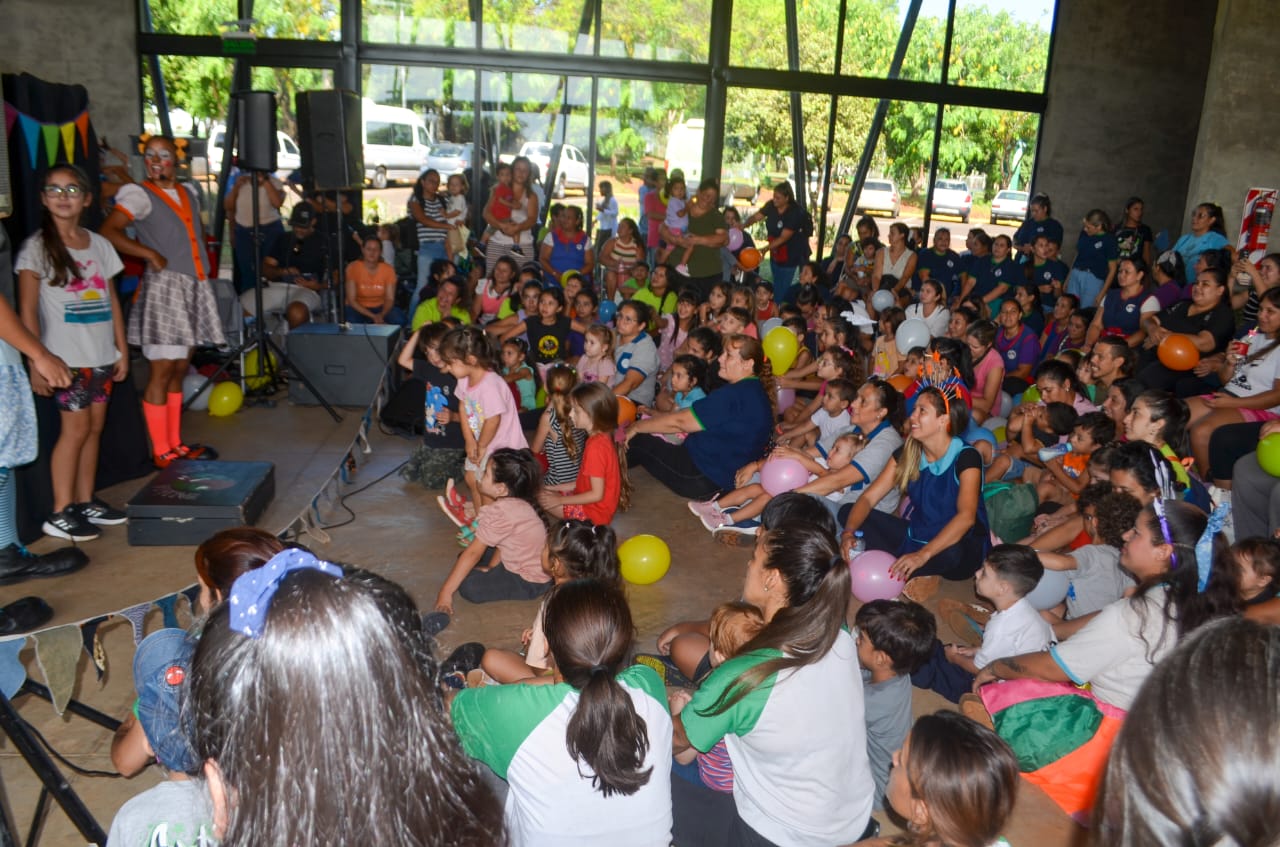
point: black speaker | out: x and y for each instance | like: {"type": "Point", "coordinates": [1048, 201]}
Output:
{"type": "Point", "coordinates": [344, 365]}
{"type": "Point", "coordinates": [330, 139]}
{"type": "Point", "coordinates": [256, 130]}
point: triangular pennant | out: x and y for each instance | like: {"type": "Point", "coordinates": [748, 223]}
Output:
{"type": "Point", "coordinates": [31, 132]}
{"type": "Point", "coordinates": [50, 142]}
{"type": "Point", "coordinates": [12, 672]}
{"type": "Point", "coordinates": [10, 118]}
{"type": "Point", "coordinates": [192, 593]}
{"type": "Point", "coordinates": [93, 644]}
{"type": "Point", "coordinates": [82, 125]}
{"type": "Point", "coordinates": [69, 140]}
{"type": "Point", "coordinates": [169, 608]}
{"type": "Point", "coordinates": [58, 653]}
{"type": "Point", "coordinates": [136, 615]}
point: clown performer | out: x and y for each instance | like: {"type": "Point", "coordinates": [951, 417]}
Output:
{"type": "Point", "coordinates": [175, 309]}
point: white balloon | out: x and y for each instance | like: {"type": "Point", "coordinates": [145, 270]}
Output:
{"type": "Point", "coordinates": [912, 333]}
{"type": "Point", "coordinates": [1050, 590]}
{"type": "Point", "coordinates": [882, 299]}
{"type": "Point", "coordinates": [190, 385]}
{"type": "Point", "coordinates": [772, 323]}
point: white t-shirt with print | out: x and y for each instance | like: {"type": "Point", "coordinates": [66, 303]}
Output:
{"type": "Point", "coordinates": [1261, 374]}
{"type": "Point", "coordinates": [75, 319]}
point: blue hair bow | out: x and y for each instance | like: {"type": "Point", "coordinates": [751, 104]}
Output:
{"type": "Point", "coordinates": [1204, 546]}
{"type": "Point", "coordinates": [251, 594]}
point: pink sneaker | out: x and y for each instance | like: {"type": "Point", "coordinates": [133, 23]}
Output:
{"type": "Point", "coordinates": [702, 508]}
{"type": "Point", "coordinates": [716, 520]}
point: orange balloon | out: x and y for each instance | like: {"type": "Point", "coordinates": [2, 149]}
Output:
{"type": "Point", "coordinates": [1178, 353]}
{"type": "Point", "coordinates": [901, 382]}
{"type": "Point", "coordinates": [749, 258]}
{"type": "Point", "coordinates": [626, 411]}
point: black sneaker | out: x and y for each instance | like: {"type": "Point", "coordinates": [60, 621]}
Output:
{"type": "Point", "coordinates": [99, 513]}
{"type": "Point", "coordinates": [69, 525]}
{"type": "Point", "coordinates": [24, 615]}
{"type": "Point", "coordinates": [17, 563]}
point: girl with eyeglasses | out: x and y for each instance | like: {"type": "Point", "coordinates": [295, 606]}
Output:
{"type": "Point", "coordinates": [65, 278]}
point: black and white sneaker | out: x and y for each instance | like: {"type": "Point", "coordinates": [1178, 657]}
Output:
{"type": "Point", "coordinates": [99, 513]}
{"type": "Point", "coordinates": [69, 525]}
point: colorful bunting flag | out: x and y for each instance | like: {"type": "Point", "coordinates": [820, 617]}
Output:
{"type": "Point", "coordinates": [58, 654]}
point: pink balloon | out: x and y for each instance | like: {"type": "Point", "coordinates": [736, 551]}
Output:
{"type": "Point", "coordinates": [778, 476]}
{"type": "Point", "coordinates": [870, 577]}
{"type": "Point", "coordinates": [735, 238]}
{"type": "Point", "coordinates": [786, 399]}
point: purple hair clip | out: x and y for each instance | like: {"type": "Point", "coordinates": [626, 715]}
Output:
{"type": "Point", "coordinates": [251, 594]}
{"type": "Point", "coordinates": [1158, 505]}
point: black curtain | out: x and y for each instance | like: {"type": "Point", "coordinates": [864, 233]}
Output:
{"type": "Point", "coordinates": [32, 106]}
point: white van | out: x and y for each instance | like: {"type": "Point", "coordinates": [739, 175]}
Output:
{"type": "Point", "coordinates": [684, 150]}
{"type": "Point", "coordinates": [288, 156]}
{"type": "Point", "coordinates": [396, 143]}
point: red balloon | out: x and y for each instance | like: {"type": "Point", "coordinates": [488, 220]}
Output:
{"type": "Point", "coordinates": [1178, 353]}
{"type": "Point", "coordinates": [749, 258]}
{"type": "Point", "coordinates": [626, 411]}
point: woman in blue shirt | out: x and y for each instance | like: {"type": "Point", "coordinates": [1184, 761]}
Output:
{"type": "Point", "coordinates": [727, 429]}
{"type": "Point", "coordinates": [1207, 233]}
{"type": "Point", "coordinates": [1096, 256]}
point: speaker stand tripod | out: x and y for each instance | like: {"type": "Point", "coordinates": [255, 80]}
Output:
{"type": "Point", "coordinates": [258, 338]}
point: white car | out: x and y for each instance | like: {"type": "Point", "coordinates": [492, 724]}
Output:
{"type": "Point", "coordinates": [573, 172]}
{"type": "Point", "coordinates": [1009, 206]}
{"type": "Point", "coordinates": [878, 195]}
{"type": "Point", "coordinates": [288, 156]}
{"type": "Point", "coordinates": [952, 197]}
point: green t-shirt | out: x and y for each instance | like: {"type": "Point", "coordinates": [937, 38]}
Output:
{"type": "Point", "coordinates": [704, 261]}
{"type": "Point", "coordinates": [428, 311]}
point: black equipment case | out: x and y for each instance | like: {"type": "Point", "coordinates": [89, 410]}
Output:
{"type": "Point", "coordinates": [190, 500]}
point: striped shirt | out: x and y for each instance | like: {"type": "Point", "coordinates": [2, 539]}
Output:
{"type": "Point", "coordinates": [433, 208]}
{"type": "Point", "coordinates": [562, 468]}
{"type": "Point", "coordinates": [715, 768]}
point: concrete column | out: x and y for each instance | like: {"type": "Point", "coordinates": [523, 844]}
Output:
{"type": "Point", "coordinates": [1125, 87]}
{"type": "Point", "coordinates": [81, 42]}
{"type": "Point", "coordinates": [1236, 148]}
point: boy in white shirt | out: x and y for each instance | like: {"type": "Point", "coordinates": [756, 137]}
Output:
{"type": "Point", "coordinates": [1008, 575]}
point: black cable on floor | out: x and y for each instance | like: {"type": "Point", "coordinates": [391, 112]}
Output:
{"type": "Point", "coordinates": [342, 501]}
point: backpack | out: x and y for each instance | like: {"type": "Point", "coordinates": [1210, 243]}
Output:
{"type": "Point", "coordinates": [1011, 508]}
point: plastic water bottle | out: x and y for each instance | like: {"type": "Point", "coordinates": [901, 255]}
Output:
{"type": "Point", "coordinates": [859, 545]}
{"type": "Point", "coordinates": [1053, 452]}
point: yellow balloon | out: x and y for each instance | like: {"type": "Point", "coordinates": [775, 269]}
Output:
{"type": "Point", "coordinates": [254, 376]}
{"type": "Point", "coordinates": [645, 559]}
{"type": "Point", "coordinates": [225, 399]}
{"type": "Point", "coordinates": [781, 346]}
{"type": "Point", "coordinates": [1001, 434]}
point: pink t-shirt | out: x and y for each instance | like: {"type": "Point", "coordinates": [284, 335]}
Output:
{"type": "Point", "coordinates": [980, 372]}
{"type": "Point", "coordinates": [488, 398]}
{"type": "Point", "coordinates": [596, 370]}
{"type": "Point", "coordinates": [511, 525]}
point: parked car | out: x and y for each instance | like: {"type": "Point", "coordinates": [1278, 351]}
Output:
{"type": "Point", "coordinates": [1009, 206]}
{"type": "Point", "coordinates": [450, 158]}
{"type": "Point", "coordinates": [574, 172]}
{"type": "Point", "coordinates": [878, 195]}
{"type": "Point", "coordinates": [952, 197]}
{"type": "Point", "coordinates": [739, 182]}
{"type": "Point", "coordinates": [288, 156]}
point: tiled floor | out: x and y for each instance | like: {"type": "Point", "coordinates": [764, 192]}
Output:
{"type": "Point", "coordinates": [399, 532]}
